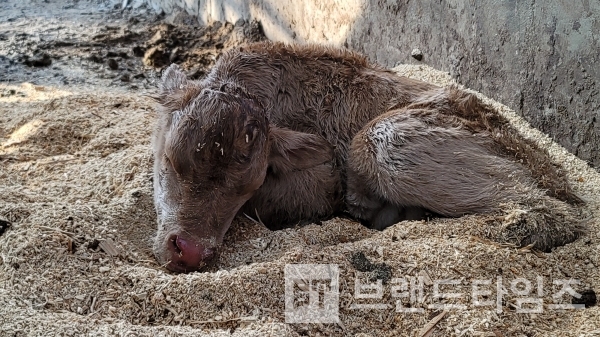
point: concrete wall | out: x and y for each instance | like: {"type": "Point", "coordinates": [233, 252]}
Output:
{"type": "Point", "coordinates": [539, 58]}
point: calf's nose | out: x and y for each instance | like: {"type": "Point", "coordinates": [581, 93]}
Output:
{"type": "Point", "coordinates": [187, 255]}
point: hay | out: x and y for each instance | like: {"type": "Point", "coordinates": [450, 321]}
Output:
{"type": "Point", "coordinates": [76, 186]}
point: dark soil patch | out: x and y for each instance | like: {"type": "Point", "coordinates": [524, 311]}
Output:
{"type": "Point", "coordinates": [4, 226]}
{"type": "Point", "coordinates": [377, 271]}
{"type": "Point", "coordinates": [131, 55]}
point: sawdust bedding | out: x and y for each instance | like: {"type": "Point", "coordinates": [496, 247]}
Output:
{"type": "Point", "coordinates": [75, 185]}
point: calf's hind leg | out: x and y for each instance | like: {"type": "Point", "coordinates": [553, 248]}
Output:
{"type": "Point", "coordinates": [373, 210]}
{"type": "Point", "coordinates": [403, 162]}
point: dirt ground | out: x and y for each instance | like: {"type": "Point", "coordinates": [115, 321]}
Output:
{"type": "Point", "coordinates": [77, 220]}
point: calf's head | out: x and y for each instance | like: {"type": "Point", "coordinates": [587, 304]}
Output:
{"type": "Point", "coordinates": [212, 149]}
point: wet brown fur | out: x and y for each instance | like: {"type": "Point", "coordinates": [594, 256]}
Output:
{"type": "Point", "coordinates": [320, 118]}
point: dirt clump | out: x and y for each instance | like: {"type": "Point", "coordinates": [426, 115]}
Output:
{"type": "Point", "coordinates": [194, 48]}
{"type": "Point", "coordinates": [133, 50]}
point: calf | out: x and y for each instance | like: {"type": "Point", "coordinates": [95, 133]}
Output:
{"type": "Point", "coordinates": [297, 133]}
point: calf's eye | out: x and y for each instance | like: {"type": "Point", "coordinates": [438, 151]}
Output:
{"type": "Point", "coordinates": [251, 132]}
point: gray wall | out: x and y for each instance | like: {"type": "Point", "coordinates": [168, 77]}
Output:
{"type": "Point", "coordinates": [540, 58]}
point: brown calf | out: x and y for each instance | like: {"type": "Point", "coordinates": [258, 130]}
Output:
{"type": "Point", "coordinates": [297, 133]}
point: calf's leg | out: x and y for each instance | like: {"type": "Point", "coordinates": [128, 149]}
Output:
{"type": "Point", "coordinates": [299, 196]}
{"type": "Point", "coordinates": [400, 158]}
{"type": "Point", "coordinates": [407, 161]}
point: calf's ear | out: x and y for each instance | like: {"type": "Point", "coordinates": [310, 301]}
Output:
{"type": "Point", "coordinates": [293, 150]}
{"type": "Point", "coordinates": [175, 90]}
{"type": "Point", "coordinates": [173, 79]}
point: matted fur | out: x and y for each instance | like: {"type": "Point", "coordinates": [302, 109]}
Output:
{"type": "Point", "coordinates": [332, 133]}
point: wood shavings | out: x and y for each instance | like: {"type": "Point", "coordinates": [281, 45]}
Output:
{"type": "Point", "coordinates": [427, 330]}
{"type": "Point", "coordinates": [109, 247]}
